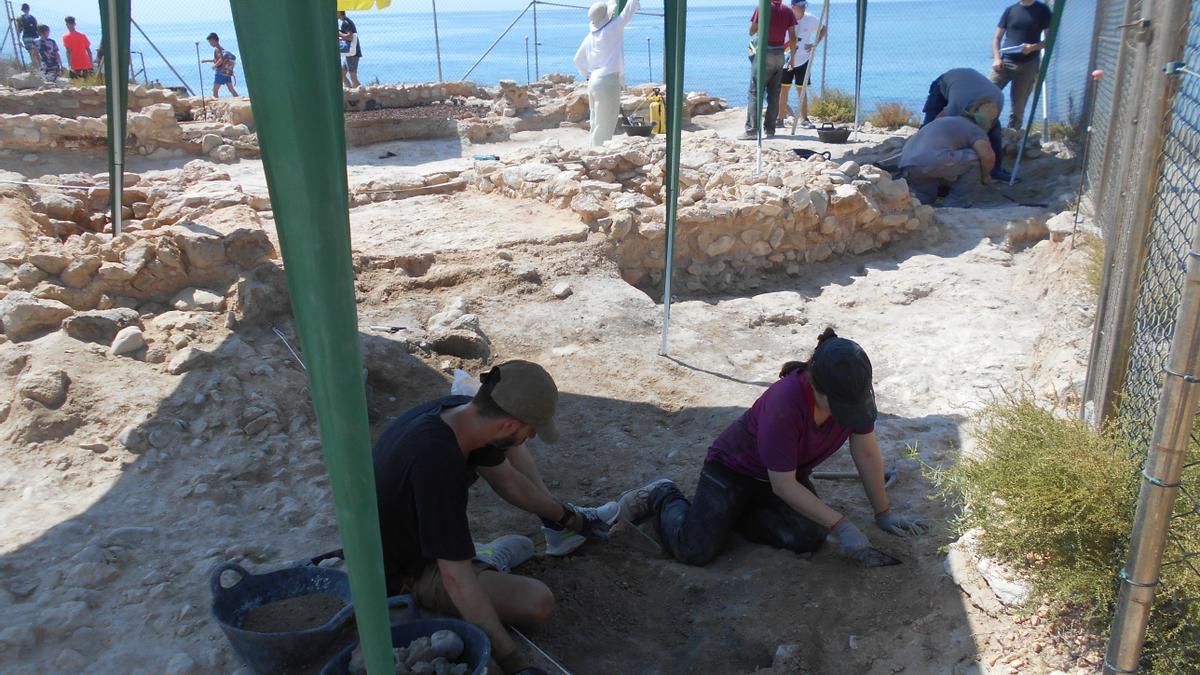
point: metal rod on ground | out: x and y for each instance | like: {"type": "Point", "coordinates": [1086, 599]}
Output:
{"type": "Point", "coordinates": [160, 55]}
{"type": "Point", "coordinates": [437, 43]}
{"type": "Point", "coordinates": [200, 74]}
{"type": "Point", "coordinates": [527, 80]}
{"type": "Point", "coordinates": [493, 45]}
{"type": "Point", "coordinates": [539, 650]}
{"type": "Point", "coordinates": [1094, 82]}
{"type": "Point", "coordinates": [289, 347]}
{"type": "Point", "coordinates": [537, 75]}
{"type": "Point", "coordinates": [1161, 475]}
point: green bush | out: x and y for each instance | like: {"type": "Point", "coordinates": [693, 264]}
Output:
{"type": "Point", "coordinates": [834, 105]}
{"type": "Point", "coordinates": [1057, 499]}
{"type": "Point", "coordinates": [893, 115]}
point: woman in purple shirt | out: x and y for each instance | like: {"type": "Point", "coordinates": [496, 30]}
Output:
{"type": "Point", "coordinates": [755, 480]}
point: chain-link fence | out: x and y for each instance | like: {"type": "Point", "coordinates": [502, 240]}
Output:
{"type": "Point", "coordinates": [1145, 186]}
{"type": "Point", "coordinates": [908, 44]}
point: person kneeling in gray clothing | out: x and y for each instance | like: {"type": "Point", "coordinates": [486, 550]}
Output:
{"type": "Point", "coordinates": [945, 150]}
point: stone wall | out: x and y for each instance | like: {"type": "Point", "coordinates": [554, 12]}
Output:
{"type": "Point", "coordinates": [733, 223]}
{"type": "Point", "coordinates": [210, 252]}
{"type": "Point", "coordinates": [83, 101]}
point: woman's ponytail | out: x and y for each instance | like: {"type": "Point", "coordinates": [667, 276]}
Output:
{"type": "Point", "coordinates": [801, 366]}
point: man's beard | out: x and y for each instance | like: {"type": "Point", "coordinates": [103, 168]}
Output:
{"type": "Point", "coordinates": [506, 442]}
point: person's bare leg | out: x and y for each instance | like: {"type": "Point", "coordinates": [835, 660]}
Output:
{"type": "Point", "coordinates": [784, 92]}
{"type": "Point", "coordinates": [345, 77]}
{"type": "Point", "coordinates": [803, 103]}
{"type": "Point", "coordinates": [232, 91]}
{"type": "Point", "coordinates": [35, 61]}
{"type": "Point", "coordinates": [216, 91]}
{"type": "Point", "coordinates": [518, 600]}
{"type": "Point", "coordinates": [354, 78]}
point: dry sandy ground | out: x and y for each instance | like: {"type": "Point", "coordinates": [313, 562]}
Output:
{"type": "Point", "coordinates": [106, 554]}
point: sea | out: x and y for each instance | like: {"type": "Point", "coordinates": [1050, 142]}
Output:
{"type": "Point", "coordinates": [906, 45]}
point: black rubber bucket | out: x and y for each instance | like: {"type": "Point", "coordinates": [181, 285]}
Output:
{"type": "Point", "coordinates": [278, 652]}
{"type": "Point", "coordinates": [477, 649]}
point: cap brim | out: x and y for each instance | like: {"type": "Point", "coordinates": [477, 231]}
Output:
{"type": "Point", "coordinates": [547, 431]}
{"type": "Point", "coordinates": [854, 415]}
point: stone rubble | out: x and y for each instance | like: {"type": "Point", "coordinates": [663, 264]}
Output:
{"type": "Point", "coordinates": [733, 225]}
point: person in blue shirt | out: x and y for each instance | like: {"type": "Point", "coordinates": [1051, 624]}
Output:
{"type": "Point", "coordinates": [48, 56]}
{"type": "Point", "coordinates": [1016, 53]}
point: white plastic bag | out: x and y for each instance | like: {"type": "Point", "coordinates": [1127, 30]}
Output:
{"type": "Point", "coordinates": [464, 384]}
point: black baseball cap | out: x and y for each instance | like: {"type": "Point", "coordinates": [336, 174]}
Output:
{"type": "Point", "coordinates": [841, 370]}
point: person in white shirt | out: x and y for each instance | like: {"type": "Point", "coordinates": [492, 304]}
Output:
{"type": "Point", "coordinates": [601, 59]}
{"type": "Point", "coordinates": [808, 31]}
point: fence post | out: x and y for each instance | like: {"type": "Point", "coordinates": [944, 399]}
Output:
{"type": "Point", "coordinates": [1131, 168]}
{"type": "Point", "coordinates": [437, 43]}
{"type": "Point", "coordinates": [1161, 476]}
{"type": "Point", "coordinates": [537, 75]}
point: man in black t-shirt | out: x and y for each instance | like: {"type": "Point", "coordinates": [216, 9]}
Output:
{"type": "Point", "coordinates": [1016, 53]}
{"type": "Point", "coordinates": [348, 37]}
{"type": "Point", "coordinates": [426, 460]}
{"type": "Point", "coordinates": [27, 24]}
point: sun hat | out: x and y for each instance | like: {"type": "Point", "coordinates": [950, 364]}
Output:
{"type": "Point", "coordinates": [598, 14]}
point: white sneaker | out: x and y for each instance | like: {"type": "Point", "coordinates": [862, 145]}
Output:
{"type": "Point", "coordinates": [565, 542]}
{"type": "Point", "coordinates": [505, 553]}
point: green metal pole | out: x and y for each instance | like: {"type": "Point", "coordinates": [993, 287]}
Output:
{"type": "Point", "coordinates": [860, 42]}
{"type": "Point", "coordinates": [760, 72]}
{"type": "Point", "coordinates": [114, 29]}
{"type": "Point", "coordinates": [1055, 21]}
{"type": "Point", "coordinates": [676, 24]}
{"type": "Point", "coordinates": [297, 104]}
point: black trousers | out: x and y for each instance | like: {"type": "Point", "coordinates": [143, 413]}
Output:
{"type": "Point", "coordinates": [935, 103]}
{"type": "Point", "coordinates": [727, 501]}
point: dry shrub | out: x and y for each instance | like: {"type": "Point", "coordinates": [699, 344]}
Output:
{"type": "Point", "coordinates": [893, 115]}
{"type": "Point", "coordinates": [1093, 270]}
{"type": "Point", "coordinates": [834, 105]}
{"type": "Point", "coordinates": [1057, 499]}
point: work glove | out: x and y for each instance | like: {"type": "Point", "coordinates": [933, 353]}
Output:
{"type": "Point", "coordinates": [853, 544]}
{"type": "Point", "coordinates": [592, 522]}
{"type": "Point", "coordinates": [900, 524]}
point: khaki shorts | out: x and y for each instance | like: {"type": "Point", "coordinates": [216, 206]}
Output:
{"type": "Point", "coordinates": [430, 592]}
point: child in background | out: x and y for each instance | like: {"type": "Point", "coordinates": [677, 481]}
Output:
{"type": "Point", "coordinates": [47, 50]}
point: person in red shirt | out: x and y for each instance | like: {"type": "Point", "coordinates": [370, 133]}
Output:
{"type": "Point", "coordinates": [79, 51]}
{"type": "Point", "coordinates": [781, 35]}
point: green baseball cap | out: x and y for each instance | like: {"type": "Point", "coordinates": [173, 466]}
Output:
{"type": "Point", "coordinates": [525, 390]}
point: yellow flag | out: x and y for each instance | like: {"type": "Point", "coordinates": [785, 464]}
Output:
{"type": "Point", "coordinates": [351, 5]}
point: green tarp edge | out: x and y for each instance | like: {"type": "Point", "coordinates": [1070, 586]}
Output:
{"type": "Point", "coordinates": [114, 38]}
{"type": "Point", "coordinates": [675, 41]}
{"type": "Point", "coordinates": [859, 45]}
{"type": "Point", "coordinates": [297, 106]}
{"type": "Point", "coordinates": [1055, 21]}
{"type": "Point", "coordinates": [760, 65]}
